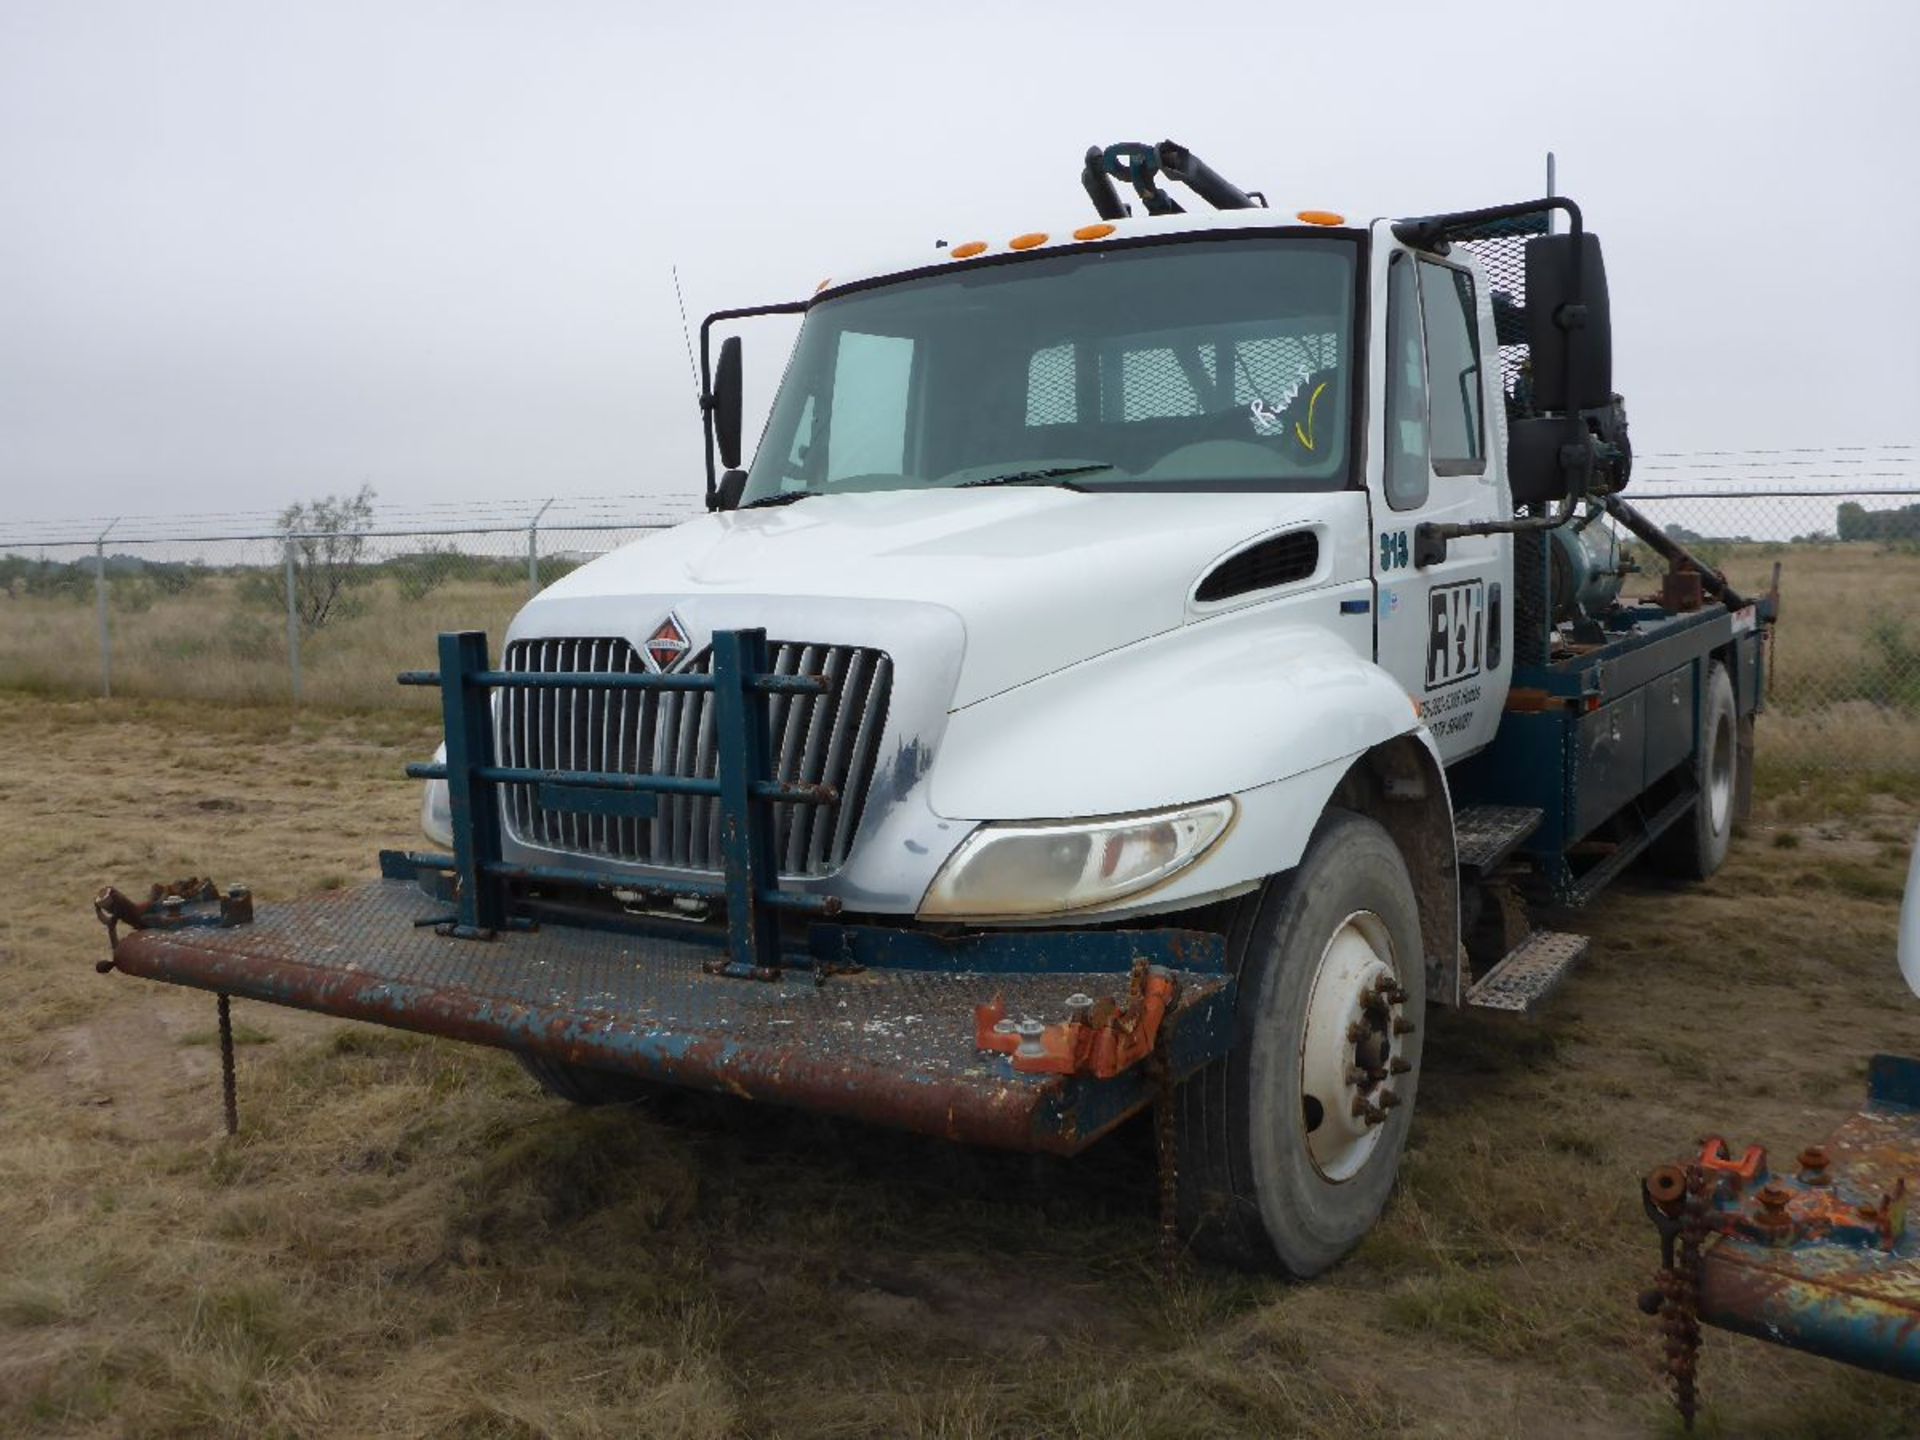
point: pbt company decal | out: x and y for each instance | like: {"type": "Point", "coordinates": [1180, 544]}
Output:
{"type": "Point", "coordinates": [1456, 631]}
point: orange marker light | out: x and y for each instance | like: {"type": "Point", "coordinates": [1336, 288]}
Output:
{"type": "Point", "coordinates": [1093, 232]}
{"type": "Point", "coordinates": [1320, 217]}
{"type": "Point", "coordinates": [823, 285]}
{"type": "Point", "coordinates": [970, 249]}
{"type": "Point", "coordinates": [1029, 240]}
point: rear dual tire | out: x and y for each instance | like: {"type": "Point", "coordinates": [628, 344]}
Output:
{"type": "Point", "coordinates": [1696, 846]}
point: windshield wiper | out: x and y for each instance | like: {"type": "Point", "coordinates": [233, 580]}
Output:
{"type": "Point", "coordinates": [779, 497]}
{"type": "Point", "coordinates": [1048, 475]}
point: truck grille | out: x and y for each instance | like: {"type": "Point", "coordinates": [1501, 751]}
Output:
{"type": "Point", "coordinates": [831, 739]}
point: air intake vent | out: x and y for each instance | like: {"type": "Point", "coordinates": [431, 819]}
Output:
{"type": "Point", "coordinates": [831, 739]}
{"type": "Point", "coordinates": [1279, 561]}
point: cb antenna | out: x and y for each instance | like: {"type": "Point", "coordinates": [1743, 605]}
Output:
{"type": "Point", "coordinates": [686, 335]}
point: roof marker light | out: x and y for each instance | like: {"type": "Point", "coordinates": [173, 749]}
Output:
{"type": "Point", "coordinates": [969, 250]}
{"type": "Point", "coordinates": [1320, 217]}
{"type": "Point", "coordinates": [1028, 240]}
{"type": "Point", "coordinates": [823, 285]}
{"type": "Point", "coordinates": [1093, 232]}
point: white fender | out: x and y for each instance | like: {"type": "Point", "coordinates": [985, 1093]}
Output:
{"type": "Point", "coordinates": [1271, 712]}
{"type": "Point", "coordinates": [1212, 709]}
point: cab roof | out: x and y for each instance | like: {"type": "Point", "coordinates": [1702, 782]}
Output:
{"type": "Point", "coordinates": [1083, 231]}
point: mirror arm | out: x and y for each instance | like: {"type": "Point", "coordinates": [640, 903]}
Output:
{"type": "Point", "coordinates": [746, 312]}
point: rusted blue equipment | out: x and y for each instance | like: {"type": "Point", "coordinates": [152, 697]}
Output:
{"type": "Point", "coordinates": [866, 1021]}
{"type": "Point", "coordinates": [1818, 1257]}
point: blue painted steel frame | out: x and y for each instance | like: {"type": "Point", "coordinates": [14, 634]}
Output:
{"type": "Point", "coordinates": [1536, 758]}
{"type": "Point", "coordinates": [745, 788]}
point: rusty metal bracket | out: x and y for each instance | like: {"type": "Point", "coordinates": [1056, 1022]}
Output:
{"type": "Point", "coordinates": [173, 905]}
{"type": "Point", "coordinates": [1098, 1038]}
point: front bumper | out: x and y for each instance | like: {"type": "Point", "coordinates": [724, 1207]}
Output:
{"type": "Point", "coordinates": [891, 1044]}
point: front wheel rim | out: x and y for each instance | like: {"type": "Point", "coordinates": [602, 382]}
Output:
{"type": "Point", "coordinates": [1351, 1047]}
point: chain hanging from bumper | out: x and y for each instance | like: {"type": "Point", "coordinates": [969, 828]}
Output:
{"type": "Point", "coordinates": [1166, 1145]}
{"type": "Point", "coordinates": [1676, 1200]}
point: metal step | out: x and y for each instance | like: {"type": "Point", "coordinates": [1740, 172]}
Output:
{"type": "Point", "coordinates": [1531, 972]}
{"type": "Point", "coordinates": [1487, 834]}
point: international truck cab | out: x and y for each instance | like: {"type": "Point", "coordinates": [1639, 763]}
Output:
{"type": "Point", "coordinates": [1143, 663]}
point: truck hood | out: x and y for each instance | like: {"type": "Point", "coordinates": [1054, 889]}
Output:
{"type": "Point", "coordinates": [1040, 577]}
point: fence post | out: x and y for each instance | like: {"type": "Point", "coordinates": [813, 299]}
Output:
{"type": "Point", "coordinates": [100, 596]}
{"type": "Point", "coordinates": [533, 551]}
{"type": "Point", "coordinates": [293, 623]}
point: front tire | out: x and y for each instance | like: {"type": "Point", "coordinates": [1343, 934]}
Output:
{"type": "Point", "coordinates": [1290, 1145]}
{"type": "Point", "coordinates": [1696, 846]}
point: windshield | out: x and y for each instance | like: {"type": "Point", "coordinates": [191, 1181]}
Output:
{"type": "Point", "coordinates": [1207, 364]}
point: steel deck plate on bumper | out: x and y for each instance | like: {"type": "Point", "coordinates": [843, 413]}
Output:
{"type": "Point", "coordinates": [889, 1046]}
{"type": "Point", "coordinates": [1851, 1302]}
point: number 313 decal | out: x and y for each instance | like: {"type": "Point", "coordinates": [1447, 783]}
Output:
{"type": "Point", "coordinates": [1393, 550]}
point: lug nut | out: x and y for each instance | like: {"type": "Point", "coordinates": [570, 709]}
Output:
{"type": "Point", "coordinates": [1388, 1100]}
{"type": "Point", "coordinates": [1079, 1006]}
{"type": "Point", "coordinates": [1397, 1066]}
{"type": "Point", "coordinates": [1356, 1032]}
{"type": "Point", "coordinates": [1364, 1109]}
{"type": "Point", "coordinates": [1813, 1166]}
{"type": "Point", "coordinates": [1402, 1026]}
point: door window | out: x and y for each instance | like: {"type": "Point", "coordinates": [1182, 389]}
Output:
{"type": "Point", "coordinates": [1453, 370]}
{"type": "Point", "coordinates": [1406, 459]}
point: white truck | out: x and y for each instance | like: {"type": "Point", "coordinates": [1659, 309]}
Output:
{"type": "Point", "coordinates": [1195, 641]}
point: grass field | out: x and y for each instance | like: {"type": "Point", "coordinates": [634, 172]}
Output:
{"type": "Point", "coordinates": [1846, 682]}
{"type": "Point", "coordinates": [406, 1238]}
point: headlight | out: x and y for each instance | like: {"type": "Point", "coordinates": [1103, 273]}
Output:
{"type": "Point", "coordinates": [436, 811]}
{"type": "Point", "coordinates": [1012, 869]}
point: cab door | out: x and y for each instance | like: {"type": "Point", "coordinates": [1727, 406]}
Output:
{"type": "Point", "coordinates": [1443, 630]}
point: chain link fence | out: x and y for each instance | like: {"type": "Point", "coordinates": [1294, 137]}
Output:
{"type": "Point", "coordinates": [154, 609]}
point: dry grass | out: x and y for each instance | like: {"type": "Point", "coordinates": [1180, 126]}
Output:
{"type": "Point", "coordinates": [1845, 686]}
{"type": "Point", "coordinates": [407, 1239]}
{"type": "Point", "coordinates": [216, 643]}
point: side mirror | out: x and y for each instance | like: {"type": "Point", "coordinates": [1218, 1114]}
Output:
{"type": "Point", "coordinates": [1534, 472]}
{"type": "Point", "coordinates": [726, 402]}
{"type": "Point", "coordinates": [1569, 328]}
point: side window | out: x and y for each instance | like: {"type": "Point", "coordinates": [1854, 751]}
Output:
{"type": "Point", "coordinates": [1154, 384]}
{"type": "Point", "coordinates": [1051, 387]}
{"type": "Point", "coordinates": [1453, 368]}
{"type": "Point", "coordinates": [870, 439]}
{"type": "Point", "coordinates": [1406, 457]}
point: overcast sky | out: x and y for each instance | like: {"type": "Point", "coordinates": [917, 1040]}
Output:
{"type": "Point", "coordinates": [252, 252]}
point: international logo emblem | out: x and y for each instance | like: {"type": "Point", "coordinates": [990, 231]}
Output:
{"type": "Point", "coordinates": [668, 644]}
